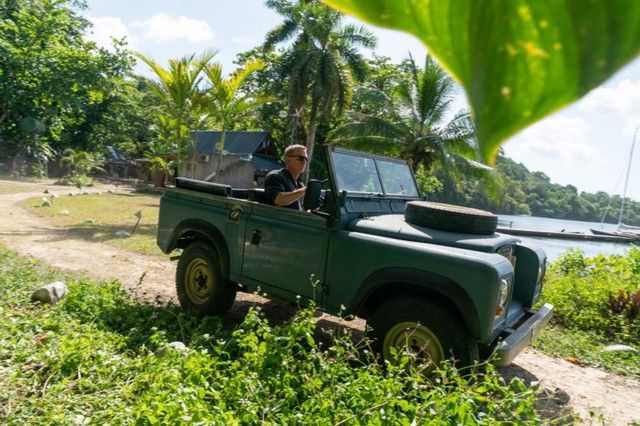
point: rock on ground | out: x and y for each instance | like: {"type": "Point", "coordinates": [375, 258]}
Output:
{"type": "Point", "coordinates": [50, 293]}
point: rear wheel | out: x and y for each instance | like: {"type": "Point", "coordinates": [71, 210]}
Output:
{"type": "Point", "coordinates": [422, 328]}
{"type": "Point", "coordinates": [200, 283]}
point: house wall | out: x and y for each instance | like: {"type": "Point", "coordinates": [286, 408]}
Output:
{"type": "Point", "coordinates": [234, 171]}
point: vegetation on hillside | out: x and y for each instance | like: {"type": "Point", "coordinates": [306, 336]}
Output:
{"type": "Point", "coordinates": [532, 193]}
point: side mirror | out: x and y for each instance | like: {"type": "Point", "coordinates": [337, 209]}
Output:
{"type": "Point", "coordinates": [312, 195]}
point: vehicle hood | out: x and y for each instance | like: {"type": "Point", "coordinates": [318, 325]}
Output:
{"type": "Point", "coordinates": [394, 226]}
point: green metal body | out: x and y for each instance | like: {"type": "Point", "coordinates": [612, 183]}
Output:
{"type": "Point", "coordinates": [356, 253]}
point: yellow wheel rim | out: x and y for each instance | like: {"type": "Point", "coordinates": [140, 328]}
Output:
{"type": "Point", "coordinates": [199, 282]}
{"type": "Point", "coordinates": [414, 339]}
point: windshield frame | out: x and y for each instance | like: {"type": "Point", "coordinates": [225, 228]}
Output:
{"type": "Point", "coordinates": [376, 158]}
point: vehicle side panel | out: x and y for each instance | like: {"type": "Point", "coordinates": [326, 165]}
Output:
{"type": "Point", "coordinates": [355, 256]}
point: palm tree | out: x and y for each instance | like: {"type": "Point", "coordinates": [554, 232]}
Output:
{"type": "Point", "coordinates": [178, 91]}
{"type": "Point", "coordinates": [322, 61]}
{"type": "Point", "coordinates": [226, 102]}
{"type": "Point", "coordinates": [415, 130]}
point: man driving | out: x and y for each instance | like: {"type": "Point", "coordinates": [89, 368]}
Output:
{"type": "Point", "coordinates": [285, 187]}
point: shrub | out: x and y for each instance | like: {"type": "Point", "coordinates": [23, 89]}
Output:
{"type": "Point", "coordinates": [599, 294]}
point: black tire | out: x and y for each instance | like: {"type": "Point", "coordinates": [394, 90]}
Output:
{"type": "Point", "coordinates": [447, 217]}
{"type": "Point", "coordinates": [427, 329]}
{"type": "Point", "coordinates": [200, 283]}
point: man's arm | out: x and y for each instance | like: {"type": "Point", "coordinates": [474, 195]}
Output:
{"type": "Point", "coordinates": [286, 198]}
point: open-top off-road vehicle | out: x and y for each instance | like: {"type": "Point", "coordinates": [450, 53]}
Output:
{"type": "Point", "coordinates": [433, 279]}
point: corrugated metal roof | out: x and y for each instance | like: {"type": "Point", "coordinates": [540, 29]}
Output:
{"type": "Point", "coordinates": [235, 142]}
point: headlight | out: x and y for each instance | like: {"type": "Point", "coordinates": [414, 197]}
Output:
{"type": "Point", "coordinates": [503, 297]}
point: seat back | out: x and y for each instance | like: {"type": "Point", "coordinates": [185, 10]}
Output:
{"type": "Point", "coordinates": [202, 186]}
{"type": "Point", "coordinates": [258, 195]}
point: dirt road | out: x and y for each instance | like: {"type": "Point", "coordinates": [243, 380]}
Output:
{"type": "Point", "coordinates": [569, 387]}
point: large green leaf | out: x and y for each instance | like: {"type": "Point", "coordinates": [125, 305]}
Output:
{"type": "Point", "coordinates": [518, 60]}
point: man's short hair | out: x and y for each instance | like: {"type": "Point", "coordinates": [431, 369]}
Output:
{"type": "Point", "coordinates": [291, 148]}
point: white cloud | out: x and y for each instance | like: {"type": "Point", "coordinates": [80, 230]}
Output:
{"type": "Point", "coordinates": [162, 27]}
{"type": "Point", "coordinates": [558, 138]}
{"type": "Point", "coordinates": [621, 102]}
{"type": "Point", "coordinates": [105, 28]}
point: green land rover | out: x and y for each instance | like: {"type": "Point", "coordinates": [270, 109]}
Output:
{"type": "Point", "coordinates": [432, 279]}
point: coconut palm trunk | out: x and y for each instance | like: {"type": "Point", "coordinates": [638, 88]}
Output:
{"type": "Point", "coordinates": [313, 125]}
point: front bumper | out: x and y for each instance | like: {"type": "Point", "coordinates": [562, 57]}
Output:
{"type": "Point", "coordinates": [522, 336]}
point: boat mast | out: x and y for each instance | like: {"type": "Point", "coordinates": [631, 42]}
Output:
{"type": "Point", "coordinates": [626, 181]}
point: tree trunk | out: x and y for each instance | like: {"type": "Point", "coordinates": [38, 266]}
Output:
{"type": "Point", "coordinates": [219, 149]}
{"type": "Point", "coordinates": [311, 135]}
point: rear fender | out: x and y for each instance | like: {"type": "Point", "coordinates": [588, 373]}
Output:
{"type": "Point", "coordinates": [194, 229]}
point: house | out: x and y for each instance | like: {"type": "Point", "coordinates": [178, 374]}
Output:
{"type": "Point", "coordinates": [246, 158]}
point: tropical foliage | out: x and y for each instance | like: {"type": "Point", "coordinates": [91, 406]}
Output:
{"type": "Point", "coordinates": [415, 127]}
{"type": "Point", "coordinates": [321, 63]}
{"type": "Point", "coordinates": [58, 90]}
{"type": "Point", "coordinates": [179, 94]}
{"type": "Point", "coordinates": [518, 60]}
{"type": "Point", "coordinates": [226, 102]}
{"type": "Point", "coordinates": [596, 305]}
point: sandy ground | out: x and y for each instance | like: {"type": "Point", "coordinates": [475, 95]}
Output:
{"type": "Point", "coordinates": [568, 387]}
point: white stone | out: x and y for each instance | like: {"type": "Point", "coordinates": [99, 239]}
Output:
{"type": "Point", "coordinates": [64, 212]}
{"type": "Point", "coordinates": [50, 293]}
{"type": "Point", "coordinates": [46, 202]}
{"type": "Point", "coordinates": [122, 234]}
{"type": "Point", "coordinates": [621, 348]}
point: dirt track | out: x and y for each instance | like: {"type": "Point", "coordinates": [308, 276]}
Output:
{"type": "Point", "coordinates": [569, 387]}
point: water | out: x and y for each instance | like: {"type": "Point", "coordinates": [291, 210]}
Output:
{"type": "Point", "coordinates": [553, 247]}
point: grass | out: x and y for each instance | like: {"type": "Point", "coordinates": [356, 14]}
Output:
{"type": "Point", "coordinates": [97, 217]}
{"type": "Point", "coordinates": [92, 359]}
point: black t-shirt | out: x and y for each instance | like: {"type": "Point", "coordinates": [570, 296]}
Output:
{"type": "Point", "coordinates": [278, 181]}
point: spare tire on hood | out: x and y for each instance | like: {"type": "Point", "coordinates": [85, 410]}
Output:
{"type": "Point", "coordinates": [447, 217]}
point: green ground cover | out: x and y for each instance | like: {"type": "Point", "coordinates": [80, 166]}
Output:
{"type": "Point", "coordinates": [597, 304]}
{"type": "Point", "coordinates": [97, 217]}
{"type": "Point", "coordinates": [91, 359]}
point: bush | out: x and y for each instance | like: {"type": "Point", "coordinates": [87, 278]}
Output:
{"type": "Point", "coordinates": [600, 294]}
{"type": "Point", "coordinates": [92, 359]}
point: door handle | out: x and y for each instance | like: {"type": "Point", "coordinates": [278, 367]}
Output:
{"type": "Point", "coordinates": [255, 238]}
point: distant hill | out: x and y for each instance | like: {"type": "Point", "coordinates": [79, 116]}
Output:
{"type": "Point", "coordinates": [532, 193]}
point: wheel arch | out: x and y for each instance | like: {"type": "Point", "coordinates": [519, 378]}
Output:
{"type": "Point", "coordinates": [199, 230]}
{"type": "Point", "coordinates": [387, 283]}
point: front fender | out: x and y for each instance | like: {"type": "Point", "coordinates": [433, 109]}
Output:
{"type": "Point", "coordinates": [468, 279]}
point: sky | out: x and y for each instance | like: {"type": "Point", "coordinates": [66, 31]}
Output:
{"type": "Point", "coordinates": [586, 145]}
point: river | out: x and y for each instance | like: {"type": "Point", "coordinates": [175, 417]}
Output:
{"type": "Point", "coordinates": [553, 247]}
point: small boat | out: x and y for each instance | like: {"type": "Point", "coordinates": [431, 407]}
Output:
{"type": "Point", "coordinates": [624, 231]}
{"type": "Point", "coordinates": [622, 234]}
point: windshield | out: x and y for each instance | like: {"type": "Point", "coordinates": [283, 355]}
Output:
{"type": "Point", "coordinates": [357, 173]}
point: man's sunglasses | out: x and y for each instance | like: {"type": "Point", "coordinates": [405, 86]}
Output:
{"type": "Point", "coordinates": [299, 157]}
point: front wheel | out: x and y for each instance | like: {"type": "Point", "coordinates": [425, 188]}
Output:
{"type": "Point", "coordinates": [429, 331]}
{"type": "Point", "coordinates": [200, 283]}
